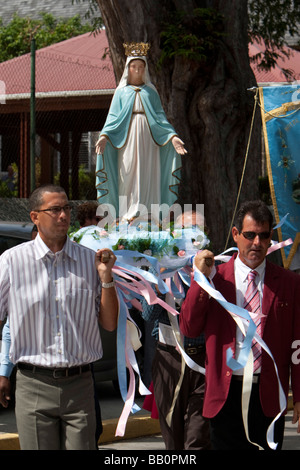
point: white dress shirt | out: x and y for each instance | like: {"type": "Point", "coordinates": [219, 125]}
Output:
{"type": "Point", "coordinates": [241, 272]}
{"type": "Point", "coordinates": [52, 300]}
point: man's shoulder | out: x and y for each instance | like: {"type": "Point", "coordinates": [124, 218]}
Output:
{"type": "Point", "coordinates": [17, 249]}
{"type": "Point", "coordinates": [225, 267]}
{"type": "Point", "coordinates": [277, 270]}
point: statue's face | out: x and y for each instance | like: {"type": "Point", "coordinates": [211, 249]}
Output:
{"type": "Point", "coordinates": [136, 70]}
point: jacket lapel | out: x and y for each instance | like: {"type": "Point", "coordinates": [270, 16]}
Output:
{"type": "Point", "coordinates": [225, 283]}
{"type": "Point", "coordinates": [271, 285]}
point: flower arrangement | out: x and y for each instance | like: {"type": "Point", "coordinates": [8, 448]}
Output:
{"type": "Point", "coordinates": [147, 245]}
{"type": "Point", "coordinates": [176, 243]}
{"type": "Point", "coordinates": [169, 246]}
{"type": "Point", "coordinates": [94, 232]}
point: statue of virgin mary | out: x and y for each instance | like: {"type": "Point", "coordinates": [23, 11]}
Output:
{"type": "Point", "coordinates": [138, 150]}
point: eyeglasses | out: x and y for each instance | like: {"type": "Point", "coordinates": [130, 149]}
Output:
{"type": "Point", "coordinates": [252, 235]}
{"type": "Point", "coordinates": [56, 210]}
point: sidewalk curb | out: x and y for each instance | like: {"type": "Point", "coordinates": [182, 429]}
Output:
{"type": "Point", "coordinates": [9, 442]}
{"type": "Point", "coordinates": [137, 426]}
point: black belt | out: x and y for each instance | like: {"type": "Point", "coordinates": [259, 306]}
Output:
{"type": "Point", "coordinates": [189, 350]}
{"type": "Point", "coordinates": [53, 372]}
{"type": "Point", "coordinates": [239, 378]}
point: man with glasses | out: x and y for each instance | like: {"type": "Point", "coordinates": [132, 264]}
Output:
{"type": "Point", "coordinates": [55, 292]}
{"type": "Point", "coordinates": [274, 307]}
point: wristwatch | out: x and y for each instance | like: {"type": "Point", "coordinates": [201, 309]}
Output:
{"type": "Point", "coordinates": [107, 285]}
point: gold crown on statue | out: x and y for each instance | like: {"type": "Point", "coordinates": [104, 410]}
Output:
{"type": "Point", "coordinates": [136, 49]}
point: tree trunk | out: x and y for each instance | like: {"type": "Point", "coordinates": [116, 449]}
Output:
{"type": "Point", "coordinates": [208, 103]}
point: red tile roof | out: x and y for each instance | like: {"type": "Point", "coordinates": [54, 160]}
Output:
{"type": "Point", "coordinates": [275, 75]}
{"type": "Point", "coordinates": [76, 64]}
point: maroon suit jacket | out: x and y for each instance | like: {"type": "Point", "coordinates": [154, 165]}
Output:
{"type": "Point", "coordinates": [281, 304]}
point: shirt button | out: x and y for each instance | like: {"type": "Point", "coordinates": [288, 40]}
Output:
{"type": "Point", "coordinates": [227, 373]}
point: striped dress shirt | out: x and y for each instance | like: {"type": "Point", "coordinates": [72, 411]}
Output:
{"type": "Point", "coordinates": [52, 300]}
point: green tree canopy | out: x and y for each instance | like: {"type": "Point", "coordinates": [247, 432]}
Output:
{"type": "Point", "coordinates": [274, 22]}
{"type": "Point", "coordinates": [15, 37]}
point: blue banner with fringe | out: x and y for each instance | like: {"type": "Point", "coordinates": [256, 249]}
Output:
{"type": "Point", "coordinates": [280, 110]}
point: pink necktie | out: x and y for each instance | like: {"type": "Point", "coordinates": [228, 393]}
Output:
{"type": "Point", "coordinates": [252, 304]}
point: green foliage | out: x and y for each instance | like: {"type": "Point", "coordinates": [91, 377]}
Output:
{"type": "Point", "coordinates": [272, 21]}
{"type": "Point", "coordinates": [86, 184]}
{"type": "Point", "coordinates": [5, 185]}
{"type": "Point", "coordinates": [15, 38]}
{"type": "Point", "coordinates": [147, 246]}
{"type": "Point", "coordinates": [5, 191]}
{"type": "Point", "coordinates": [196, 36]}
{"type": "Point", "coordinates": [193, 37]}
{"type": "Point", "coordinates": [92, 14]}
{"type": "Point", "coordinates": [73, 229]}
{"type": "Point", "coordinates": [87, 190]}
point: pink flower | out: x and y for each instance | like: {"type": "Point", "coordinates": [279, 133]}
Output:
{"type": "Point", "coordinates": [181, 253]}
{"type": "Point", "coordinates": [121, 247]}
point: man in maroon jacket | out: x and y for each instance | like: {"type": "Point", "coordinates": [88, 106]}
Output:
{"type": "Point", "coordinates": [278, 291]}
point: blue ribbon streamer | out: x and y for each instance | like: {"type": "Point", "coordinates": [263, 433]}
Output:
{"type": "Point", "coordinates": [281, 222]}
{"type": "Point", "coordinates": [148, 276]}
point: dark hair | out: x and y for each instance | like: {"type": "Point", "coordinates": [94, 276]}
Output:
{"type": "Point", "coordinates": [258, 210]}
{"type": "Point", "coordinates": [87, 210]}
{"type": "Point", "coordinates": [36, 198]}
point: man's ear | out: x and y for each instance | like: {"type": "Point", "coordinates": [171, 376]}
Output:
{"type": "Point", "coordinates": [235, 233]}
{"type": "Point", "coordinates": [34, 217]}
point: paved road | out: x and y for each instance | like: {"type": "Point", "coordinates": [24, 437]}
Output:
{"type": "Point", "coordinates": [155, 442]}
{"type": "Point", "coordinates": [291, 440]}
{"type": "Point", "coordinates": [111, 407]}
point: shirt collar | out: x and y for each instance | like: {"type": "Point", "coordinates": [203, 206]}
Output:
{"type": "Point", "coordinates": [41, 249]}
{"type": "Point", "coordinates": [244, 269]}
